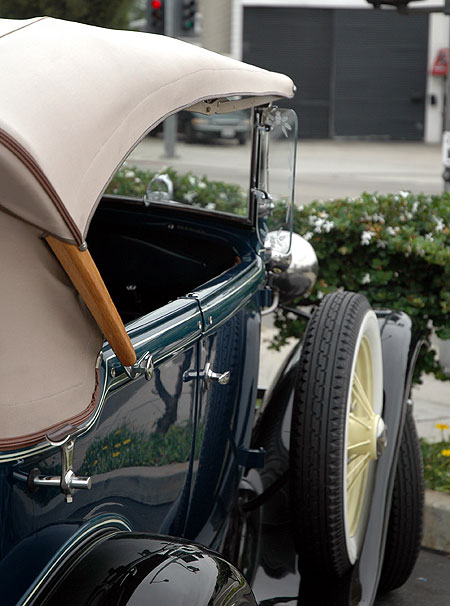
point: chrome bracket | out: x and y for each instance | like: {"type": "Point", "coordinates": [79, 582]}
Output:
{"type": "Point", "coordinates": [208, 376]}
{"type": "Point", "coordinates": [67, 481]}
{"type": "Point", "coordinates": [144, 366]}
{"type": "Point", "coordinates": [264, 202]}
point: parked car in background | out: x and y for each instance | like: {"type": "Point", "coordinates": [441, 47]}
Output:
{"type": "Point", "coordinates": [138, 462]}
{"type": "Point", "coordinates": [198, 127]}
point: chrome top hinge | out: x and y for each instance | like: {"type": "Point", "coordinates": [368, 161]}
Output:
{"type": "Point", "coordinates": [144, 366]}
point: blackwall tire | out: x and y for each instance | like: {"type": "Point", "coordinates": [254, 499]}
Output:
{"type": "Point", "coordinates": [406, 518]}
{"type": "Point", "coordinates": [336, 434]}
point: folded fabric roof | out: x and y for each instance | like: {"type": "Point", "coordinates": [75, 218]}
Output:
{"type": "Point", "coordinates": [76, 99]}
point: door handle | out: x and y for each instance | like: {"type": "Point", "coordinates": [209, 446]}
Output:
{"type": "Point", "coordinates": [208, 376]}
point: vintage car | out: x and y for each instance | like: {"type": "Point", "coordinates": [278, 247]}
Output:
{"type": "Point", "coordinates": [139, 462]}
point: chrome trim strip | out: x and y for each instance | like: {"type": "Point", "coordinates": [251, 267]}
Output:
{"type": "Point", "coordinates": [69, 546]}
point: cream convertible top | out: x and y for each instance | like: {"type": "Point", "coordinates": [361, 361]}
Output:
{"type": "Point", "coordinates": [75, 100]}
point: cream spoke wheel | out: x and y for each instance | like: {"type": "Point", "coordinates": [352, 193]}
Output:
{"type": "Point", "coordinates": [337, 433]}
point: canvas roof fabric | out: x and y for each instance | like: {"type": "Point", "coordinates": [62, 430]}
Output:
{"type": "Point", "coordinates": [76, 99]}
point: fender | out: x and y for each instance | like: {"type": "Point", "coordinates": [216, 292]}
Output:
{"type": "Point", "coordinates": [400, 349]}
{"type": "Point", "coordinates": [34, 559]}
{"type": "Point", "coordinates": [136, 568]}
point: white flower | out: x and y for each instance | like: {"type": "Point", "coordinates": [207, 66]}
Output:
{"type": "Point", "coordinates": [308, 236]}
{"type": "Point", "coordinates": [192, 180]}
{"type": "Point", "coordinates": [381, 244]}
{"type": "Point", "coordinates": [395, 274]}
{"type": "Point", "coordinates": [378, 218]}
{"type": "Point", "coordinates": [223, 195]}
{"type": "Point", "coordinates": [365, 279]}
{"type": "Point", "coordinates": [210, 206]}
{"type": "Point", "coordinates": [312, 220]}
{"type": "Point", "coordinates": [201, 185]}
{"type": "Point", "coordinates": [129, 174]}
{"type": "Point", "coordinates": [429, 237]}
{"type": "Point", "coordinates": [414, 208]}
{"type": "Point", "coordinates": [323, 215]}
{"type": "Point", "coordinates": [189, 196]}
{"type": "Point", "coordinates": [137, 180]}
{"type": "Point", "coordinates": [390, 230]}
{"type": "Point", "coordinates": [439, 224]}
{"type": "Point", "coordinates": [320, 294]}
{"type": "Point", "coordinates": [328, 226]}
{"type": "Point", "coordinates": [318, 225]}
{"type": "Point", "coordinates": [366, 237]}
{"type": "Point", "coordinates": [404, 194]}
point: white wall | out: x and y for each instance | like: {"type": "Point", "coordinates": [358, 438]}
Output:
{"type": "Point", "coordinates": [438, 38]}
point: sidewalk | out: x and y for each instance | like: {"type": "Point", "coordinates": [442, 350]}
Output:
{"type": "Point", "coordinates": [431, 406]}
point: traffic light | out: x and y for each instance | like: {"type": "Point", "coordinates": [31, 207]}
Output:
{"type": "Point", "coordinates": [188, 11]}
{"type": "Point", "coordinates": [155, 17]}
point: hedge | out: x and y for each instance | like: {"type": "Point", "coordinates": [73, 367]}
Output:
{"type": "Point", "coordinates": [394, 249]}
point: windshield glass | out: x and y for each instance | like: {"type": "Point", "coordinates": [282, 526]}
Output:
{"type": "Point", "coordinates": [208, 166]}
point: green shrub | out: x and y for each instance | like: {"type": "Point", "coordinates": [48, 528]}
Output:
{"type": "Point", "coordinates": [94, 12]}
{"type": "Point", "coordinates": [188, 188]}
{"type": "Point", "coordinates": [394, 249]}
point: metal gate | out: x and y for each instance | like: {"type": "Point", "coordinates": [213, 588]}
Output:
{"type": "Point", "coordinates": [359, 73]}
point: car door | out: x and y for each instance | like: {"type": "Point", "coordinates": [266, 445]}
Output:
{"type": "Point", "coordinates": [228, 363]}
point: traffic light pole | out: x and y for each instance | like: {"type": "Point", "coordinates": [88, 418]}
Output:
{"type": "Point", "coordinates": [170, 123]}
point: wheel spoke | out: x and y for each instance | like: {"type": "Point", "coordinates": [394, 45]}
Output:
{"type": "Point", "coordinates": [360, 395]}
{"type": "Point", "coordinates": [357, 470]}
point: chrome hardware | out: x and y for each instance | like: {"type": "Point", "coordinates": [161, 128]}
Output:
{"type": "Point", "coordinates": [382, 437]}
{"type": "Point", "coordinates": [292, 273]}
{"type": "Point", "coordinates": [67, 481]}
{"type": "Point", "coordinates": [208, 376]}
{"type": "Point", "coordinates": [144, 366]}
{"type": "Point", "coordinates": [274, 304]}
{"type": "Point", "coordinates": [264, 201]}
{"type": "Point", "coordinates": [215, 377]}
{"type": "Point", "coordinates": [154, 193]}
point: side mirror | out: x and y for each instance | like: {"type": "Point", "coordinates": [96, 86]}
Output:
{"type": "Point", "coordinates": [155, 190]}
{"type": "Point", "coordinates": [293, 274]}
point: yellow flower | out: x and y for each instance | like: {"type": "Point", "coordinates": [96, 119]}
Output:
{"type": "Point", "coordinates": [117, 432]}
{"type": "Point", "coordinates": [445, 452]}
{"type": "Point", "coordinates": [105, 447]}
{"type": "Point", "coordinates": [117, 445]}
{"type": "Point", "coordinates": [127, 441]}
{"type": "Point", "coordinates": [442, 426]}
{"type": "Point", "coordinates": [116, 454]}
{"type": "Point", "coordinates": [96, 462]}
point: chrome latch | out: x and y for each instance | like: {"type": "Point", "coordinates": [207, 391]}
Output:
{"type": "Point", "coordinates": [67, 481]}
{"type": "Point", "coordinates": [144, 366]}
{"type": "Point", "coordinates": [208, 376]}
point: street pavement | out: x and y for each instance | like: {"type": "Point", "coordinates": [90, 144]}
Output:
{"type": "Point", "coordinates": [325, 169]}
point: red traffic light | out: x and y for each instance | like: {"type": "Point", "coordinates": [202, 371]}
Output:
{"type": "Point", "coordinates": [156, 4]}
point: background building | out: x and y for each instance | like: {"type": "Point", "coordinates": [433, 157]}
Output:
{"type": "Point", "coordinates": [361, 73]}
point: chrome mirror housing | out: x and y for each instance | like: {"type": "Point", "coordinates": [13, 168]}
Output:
{"type": "Point", "coordinates": [293, 274]}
